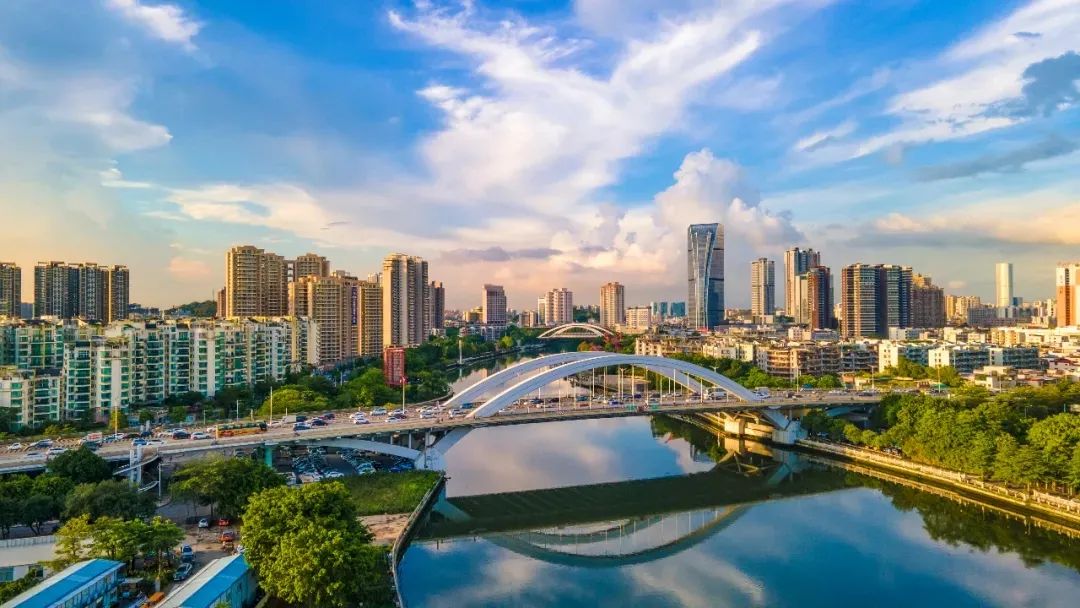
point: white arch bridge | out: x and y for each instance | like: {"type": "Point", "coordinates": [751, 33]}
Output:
{"type": "Point", "coordinates": [586, 331]}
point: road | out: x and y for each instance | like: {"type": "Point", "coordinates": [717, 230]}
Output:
{"type": "Point", "coordinates": [341, 426]}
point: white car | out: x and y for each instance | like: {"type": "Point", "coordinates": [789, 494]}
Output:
{"type": "Point", "coordinates": [427, 414]}
{"type": "Point", "coordinates": [360, 420]}
{"type": "Point", "coordinates": [379, 411]}
{"type": "Point", "coordinates": [55, 451]}
{"type": "Point", "coordinates": [155, 442]}
{"type": "Point", "coordinates": [15, 446]}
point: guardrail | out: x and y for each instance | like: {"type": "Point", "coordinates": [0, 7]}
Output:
{"type": "Point", "coordinates": [406, 533]}
{"type": "Point", "coordinates": [28, 541]}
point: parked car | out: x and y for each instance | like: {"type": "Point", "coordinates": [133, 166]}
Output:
{"type": "Point", "coordinates": [183, 572]}
{"type": "Point", "coordinates": [15, 446]}
{"type": "Point", "coordinates": [199, 435]}
{"type": "Point", "coordinates": [187, 554]}
{"type": "Point", "coordinates": [228, 536]}
{"type": "Point", "coordinates": [204, 523]}
{"type": "Point", "coordinates": [223, 521]}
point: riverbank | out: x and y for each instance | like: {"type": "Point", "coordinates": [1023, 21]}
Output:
{"type": "Point", "coordinates": [1032, 501]}
{"type": "Point", "coordinates": [402, 541]}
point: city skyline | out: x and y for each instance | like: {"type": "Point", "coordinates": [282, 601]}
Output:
{"type": "Point", "coordinates": [214, 126]}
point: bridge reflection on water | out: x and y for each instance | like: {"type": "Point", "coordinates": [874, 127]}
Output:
{"type": "Point", "coordinates": [630, 522]}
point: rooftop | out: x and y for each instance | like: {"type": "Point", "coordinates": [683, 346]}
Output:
{"type": "Point", "coordinates": [64, 584]}
{"type": "Point", "coordinates": [205, 588]}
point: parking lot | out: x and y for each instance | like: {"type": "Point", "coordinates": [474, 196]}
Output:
{"type": "Point", "coordinates": [308, 465]}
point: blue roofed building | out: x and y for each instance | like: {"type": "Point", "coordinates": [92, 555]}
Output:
{"type": "Point", "coordinates": [228, 579]}
{"type": "Point", "coordinates": [91, 583]}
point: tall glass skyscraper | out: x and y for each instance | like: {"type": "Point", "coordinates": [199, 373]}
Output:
{"type": "Point", "coordinates": [705, 275]}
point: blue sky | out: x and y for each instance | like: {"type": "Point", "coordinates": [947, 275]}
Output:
{"type": "Point", "coordinates": [541, 143]}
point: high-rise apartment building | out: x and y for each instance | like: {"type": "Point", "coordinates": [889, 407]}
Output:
{"type": "Point", "coordinates": [957, 307]}
{"type": "Point", "coordinates": [370, 326]}
{"type": "Point", "coordinates": [438, 305]}
{"type": "Point", "coordinates": [796, 262]}
{"type": "Point", "coordinates": [559, 306]}
{"type": "Point", "coordinates": [927, 303]}
{"type": "Point", "coordinates": [332, 302]}
{"type": "Point", "coordinates": [10, 290]}
{"type": "Point", "coordinates": [1068, 294]}
{"type": "Point", "coordinates": [874, 298]}
{"type": "Point", "coordinates": [493, 305]}
{"type": "Point", "coordinates": [612, 304]}
{"type": "Point", "coordinates": [819, 297]}
{"type": "Point", "coordinates": [1003, 284]}
{"type": "Point", "coordinates": [87, 291]}
{"type": "Point", "coordinates": [762, 287]}
{"type": "Point", "coordinates": [638, 318]}
{"type": "Point", "coordinates": [705, 275]}
{"type": "Point", "coordinates": [406, 307]}
{"type": "Point", "coordinates": [256, 283]}
{"type": "Point", "coordinates": [309, 265]}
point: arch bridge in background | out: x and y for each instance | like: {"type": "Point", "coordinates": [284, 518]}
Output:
{"type": "Point", "coordinates": [577, 330]}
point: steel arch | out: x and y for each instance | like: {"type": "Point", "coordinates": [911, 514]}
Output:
{"type": "Point", "coordinates": [525, 387]}
{"type": "Point", "coordinates": [567, 331]}
{"type": "Point", "coordinates": [505, 376]}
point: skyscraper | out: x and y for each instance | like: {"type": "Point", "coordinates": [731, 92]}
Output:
{"type": "Point", "coordinates": [256, 283]}
{"type": "Point", "coordinates": [493, 305]}
{"type": "Point", "coordinates": [310, 265]}
{"type": "Point", "coordinates": [406, 307]}
{"type": "Point", "coordinates": [559, 306]}
{"type": "Point", "coordinates": [796, 262]}
{"type": "Point", "coordinates": [10, 290]}
{"type": "Point", "coordinates": [1068, 294]}
{"type": "Point", "coordinates": [762, 287]}
{"type": "Point", "coordinates": [370, 324]}
{"type": "Point", "coordinates": [819, 297]}
{"type": "Point", "coordinates": [55, 290]}
{"type": "Point", "coordinates": [927, 303]}
{"type": "Point", "coordinates": [118, 290]}
{"type": "Point", "coordinates": [874, 298]}
{"type": "Point", "coordinates": [1003, 282]}
{"type": "Point", "coordinates": [541, 310]}
{"type": "Point", "coordinates": [612, 304]}
{"type": "Point", "coordinates": [438, 305]}
{"type": "Point", "coordinates": [705, 275]}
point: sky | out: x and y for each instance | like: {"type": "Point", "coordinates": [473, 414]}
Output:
{"type": "Point", "coordinates": [541, 143]}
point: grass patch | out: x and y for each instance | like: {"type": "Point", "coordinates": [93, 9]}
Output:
{"type": "Point", "coordinates": [385, 492]}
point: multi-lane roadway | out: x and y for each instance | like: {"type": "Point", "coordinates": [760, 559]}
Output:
{"type": "Point", "coordinates": [25, 457]}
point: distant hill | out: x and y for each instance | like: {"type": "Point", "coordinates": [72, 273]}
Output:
{"type": "Point", "coordinates": [206, 308]}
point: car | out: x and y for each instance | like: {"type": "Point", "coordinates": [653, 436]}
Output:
{"type": "Point", "coordinates": [329, 415]}
{"type": "Point", "coordinates": [140, 441]}
{"type": "Point", "coordinates": [223, 521]}
{"type": "Point", "coordinates": [55, 451]}
{"type": "Point", "coordinates": [44, 443]}
{"type": "Point", "coordinates": [455, 413]}
{"type": "Point", "coordinates": [301, 426]}
{"type": "Point", "coordinates": [15, 446]}
{"type": "Point", "coordinates": [334, 475]}
{"type": "Point", "coordinates": [183, 572]}
{"type": "Point", "coordinates": [361, 421]}
{"type": "Point", "coordinates": [199, 435]}
{"type": "Point", "coordinates": [301, 418]}
{"type": "Point", "coordinates": [187, 554]}
{"type": "Point", "coordinates": [155, 442]}
{"type": "Point", "coordinates": [427, 414]}
{"type": "Point", "coordinates": [181, 435]}
{"type": "Point", "coordinates": [318, 422]}
{"type": "Point", "coordinates": [204, 523]}
{"type": "Point", "coordinates": [34, 456]}
{"type": "Point", "coordinates": [93, 446]}
{"type": "Point", "coordinates": [379, 411]}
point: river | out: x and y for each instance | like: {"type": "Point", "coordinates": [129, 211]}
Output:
{"type": "Point", "coordinates": [658, 512]}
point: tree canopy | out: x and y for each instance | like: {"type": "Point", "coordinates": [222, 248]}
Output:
{"type": "Point", "coordinates": [308, 548]}
{"type": "Point", "coordinates": [80, 466]}
{"type": "Point", "coordinates": [224, 483]}
{"type": "Point", "coordinates": [110, 498]}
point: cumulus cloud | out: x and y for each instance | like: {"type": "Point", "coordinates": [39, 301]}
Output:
{"type": "Point", "coordinates": [163, 21]}
{"type": "Point", "coordinates": [1014, 160]}
{"type": "Point", "coordinates": [1051, 84]}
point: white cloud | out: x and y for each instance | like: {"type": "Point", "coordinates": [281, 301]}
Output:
{"type": "Point", "coordinates": [114, 178]}
{"type": "Point", "coordinates": [164, 21]}
{"type": "Point", "coordinates": [823, 137]}
{"type": "Point", "coordinates": [976, 80]}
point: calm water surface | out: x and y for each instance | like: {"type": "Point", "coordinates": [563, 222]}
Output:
{"type": "Point", "coordinates": [640, 512]}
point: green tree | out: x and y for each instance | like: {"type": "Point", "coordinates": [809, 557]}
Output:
{"type": "Point", "coordinates": [158, 539]}
{"type": "Point", "coordinates": [295, 399]}
{"type": "Point", "coordinates": [1074, 469]}
{"type": "Point", "coordinates": [9, 515]}
{"type": "Point", "coordinates": [80, 466]}
{"type": "Point", "coordinates": [35, 510]}
{"type": "Point", "coordinates": [116, 539]}
{"type": "Point", "coordinates": [111, 498]}
{"type": "Point", "coordinates": [308, 549]}
{"type": "Point", "coordinates": [224, 483]}
{"type": "Point", "coordinates": [178, 413]}
{"type": "Point", "coordinates": [11, 589]}
{"type": "Point", "coordinates": [72, 542]}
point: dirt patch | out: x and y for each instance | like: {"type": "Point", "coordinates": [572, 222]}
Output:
{"type": "Point", "coordinates": [386, 528]}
